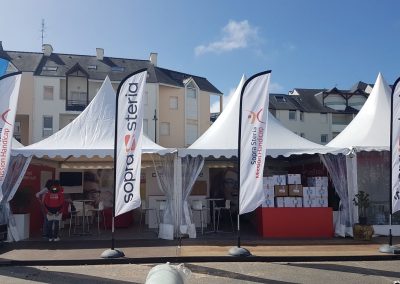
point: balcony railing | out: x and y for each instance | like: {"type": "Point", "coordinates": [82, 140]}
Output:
{"type": "Point", "coordinates": [76, 105]}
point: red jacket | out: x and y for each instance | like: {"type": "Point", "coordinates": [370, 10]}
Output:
{"type": "Point", "coordinates": [53, 201]}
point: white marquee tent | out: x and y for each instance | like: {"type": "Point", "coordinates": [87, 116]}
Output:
{"type": "Point", "coordinates": [221, 139]}
{"type": "Point", "coordinates": [90, 135]}
{"type": "Point", "coordinates": [370, 131]}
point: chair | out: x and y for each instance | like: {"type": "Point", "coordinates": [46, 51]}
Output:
{"type": "Point", "coordinates": [73, 216]}
{"type": "Point", "coordinates": [99, 211]}
{"type": "Point", "coordinates": [162, 206]}
{"type": "Point", "coordinates": [79, 213]}
{"type": "Point", "coordinates": [144, 210]}
{"type": "Point", "coordinates": [197, 206]}
{"type": "Point", "coordinates": [227, 207]}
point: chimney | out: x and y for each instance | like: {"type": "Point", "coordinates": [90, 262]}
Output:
{"type": "Point", "coordinates": [100, 53]}
{"type": "Point", "coordinates": [47, 49]}
{"type": "Point", "coordinates": [153, 58]}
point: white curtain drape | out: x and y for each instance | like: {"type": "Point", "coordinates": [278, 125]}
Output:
{"type": "Point", "coordinates": [336, 166]}
{"type": "Point", "coordinates": [191, 168]}
{"type": "Point", "coordinates": [164, 167]}
{"type": "Point", "coordinates": [17, 168]}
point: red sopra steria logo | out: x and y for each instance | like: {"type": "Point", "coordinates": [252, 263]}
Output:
{"type": "Point", "coordinates": [130, 143]}
{"type": "Point", "coordinates": [253, 116]}
{"type": "Point", "coordinates": [4, 116]}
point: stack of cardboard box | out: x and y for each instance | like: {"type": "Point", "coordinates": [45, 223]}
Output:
{"type": "Point", "coordinates": [268, 183]}
{"type": "Point", "coordinates": [316, 194]}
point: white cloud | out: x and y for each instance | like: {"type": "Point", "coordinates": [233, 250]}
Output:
{"type": "Point", "coordinates": [276, 88]}
{"type": "Point", "coordinates": [215, 105]}
{"type": "Point", "coordinates": [235, 35]}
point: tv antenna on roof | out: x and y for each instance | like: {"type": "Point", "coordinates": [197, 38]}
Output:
{"type": "Point", "coordinates": [43, 30]}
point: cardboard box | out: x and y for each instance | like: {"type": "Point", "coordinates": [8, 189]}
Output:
{"type": "Point", "coordinates": [280, 202]}
{"type": "Point", "coordinates": [289, 201]}
{"type": "Point", "coordinates": [298, 202]}
{"type": "Point", "coordinates": [322, 202]}
{"type": "Point", "coordinates": [295, 190]}
{"type": "Point", "coordinates": [268, 185]}
{"type": "Point", "coordinates": [309, 191]}
{"type": "Point", "coordinates": [294, 178]}
{"type": "Point", "coordinates": [279, 179]}
{"type": "Point", "coordinates": [317, 181]}
{"type": "Point", "coordinates": [309, 201]}
{"type": "Point", "coordinates": [321, 191]}
{"type": "Point", "coordinates": [281, 190]}
{"type": "Point", "coordinates": [268, 182]}
{"type": "Point", "coordinates": [269, 202]}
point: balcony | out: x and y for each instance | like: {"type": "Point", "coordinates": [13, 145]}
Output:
{"type": "Point", "coordinates": [76, 105]}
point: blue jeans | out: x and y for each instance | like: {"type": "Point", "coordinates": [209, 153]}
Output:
{"type": "Point", "coordinates": [52, 233]}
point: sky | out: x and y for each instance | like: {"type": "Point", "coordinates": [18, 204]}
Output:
{"type": "Point", "coordinates": [306, 43]}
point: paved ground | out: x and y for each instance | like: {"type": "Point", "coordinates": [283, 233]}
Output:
{"type": "Point", "coordinates": [191, 250]}
{"type": "Point", "coordinates": [277, 273]}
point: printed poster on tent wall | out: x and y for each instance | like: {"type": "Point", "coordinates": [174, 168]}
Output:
{"type": "Point", "coordinates": [395, 144]}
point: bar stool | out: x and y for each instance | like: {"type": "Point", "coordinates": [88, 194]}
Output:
{"type": "Point", "coordinates": [197, 206]}
{"type": "Point", "coordinates": [227, 207]}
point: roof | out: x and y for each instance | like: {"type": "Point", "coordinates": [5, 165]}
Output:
{"type": "Point", "coordinates": [370, 129]}
{"type": "Point", "coordinates": [58, 64]}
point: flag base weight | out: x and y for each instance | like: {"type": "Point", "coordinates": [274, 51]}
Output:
{"type": "Point", "coordinates": [239, 251]}
{"type": "Point", "coordinates": [389, 249]}
{"type": "Point", "coordinates": [112, 253]}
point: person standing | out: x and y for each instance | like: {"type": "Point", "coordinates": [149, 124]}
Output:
{"type": "Point", "coordinates": [40, 195]}
{"type": "Point", "coordinates": [54, 201]}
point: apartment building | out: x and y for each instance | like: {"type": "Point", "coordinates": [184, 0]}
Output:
{"type": "Point", "coordinates": [56, 87]}
{"type": "Point", "coordinates": [319, 114]}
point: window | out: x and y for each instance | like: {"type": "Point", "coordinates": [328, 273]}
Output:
{"type": "Point", "coordinates": [117, 69]}
{"type": "Point", "coordinates": [17, 130]}
{"type": "Point", "coordinates": [324, 138]}
{"type": "Point", "coordinates": [324, 117]}
{"type": "Point", "coordinates": [191, 133]}
{"type": "Point", "coordinates": [292, 115]}
{"type": "Point", "coordinates": [302, 116]}
{"type": "Point", "coordinates": [280, 99]}
{"type": "Point", "coordinates": [92, 67]}
{"type": "Point", "coordinates": [173, 102]}
{"type": "Point", "coordinates": [48, 92]}
{"type": "Point", "coordinates": [47, 126]}
{"type": "Point", "coordinates": [49, 68]}
{"type": "Point", "coordinates": [145, 126]}
{"type": "Point", "coordinates": [164, 129]}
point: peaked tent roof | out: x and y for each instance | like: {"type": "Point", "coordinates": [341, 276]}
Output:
{"type": "Point", "coordinates": [88, 135]}
{"type": "Point", "coordinates": [370, 129]}
{"type": "Point", "coordinates": [221, 139]}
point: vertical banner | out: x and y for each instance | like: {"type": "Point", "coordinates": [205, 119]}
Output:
{"type": "Point", "coordinates": [9, 90]}
{"type": "Point", "coordinates": [253, 123]}
{"type": "Point", "coordinates": [395, 148]}
{"type": "Point", "coordinates": [128, 142]}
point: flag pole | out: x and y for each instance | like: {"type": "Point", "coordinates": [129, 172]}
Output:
{"type": "Point", "coordinates": [389, 248]}
{"type": "Point", "coordinates": [238, 250]}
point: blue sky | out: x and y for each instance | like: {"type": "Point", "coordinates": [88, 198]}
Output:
{"type": "Point", "coordinates": [306, 44]}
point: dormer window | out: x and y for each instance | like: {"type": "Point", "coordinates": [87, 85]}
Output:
{"type": "Point", "coordinates": [280, 99]}
{"type": "Point", "coordinates": [49, 68]}
{"type": "Point", "coordinates": [117, 69]}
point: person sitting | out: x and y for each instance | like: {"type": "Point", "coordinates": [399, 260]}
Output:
{"type": "Point", "coordinates": [54, 201]}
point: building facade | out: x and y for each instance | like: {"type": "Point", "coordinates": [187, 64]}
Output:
{"type": "Point", "coordinates": [56, 88]}
{"type": "Point", "coordinates": [319, 115]}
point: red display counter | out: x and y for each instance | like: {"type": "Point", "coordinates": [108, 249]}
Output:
{"type": "Point", "coordinates": [295, 222]}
